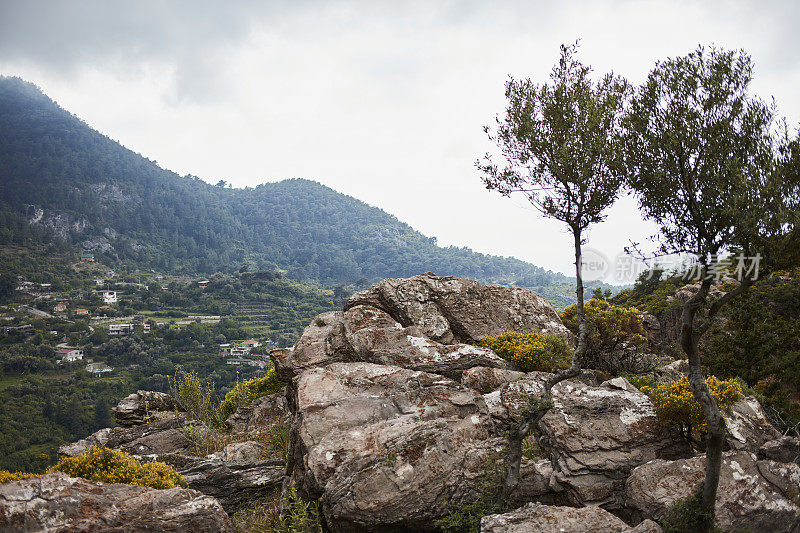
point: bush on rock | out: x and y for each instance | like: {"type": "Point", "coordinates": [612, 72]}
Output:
{"type": "Point", "coordinates": [531, 351]}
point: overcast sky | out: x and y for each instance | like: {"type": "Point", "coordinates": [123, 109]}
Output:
{"type": "Point", "coordinates": [382, 101]}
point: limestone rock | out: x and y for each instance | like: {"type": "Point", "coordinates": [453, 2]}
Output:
{"type": "Point", "coordinates": [366, 334]}
{"type": "Point", "coordinates": [138, 407]}
{"type": "Point", "coordinates": [549, 519]}
{"type": "Point", "coordinates": [595, 436]}
{"type": "Point", "coordinates": [60, 503]}
{"type": "Point", "coordinates": [236, 476]}
{"type": "Point", "coordinates": [455, 310]}
{"type": "Point", "coordinates": [748, 426]}
{"type": "Point", "coordinates": [384, 447]}
{"type": "Point", "coordinates": [783, 450]}
{"type": "Point", "coordinates": [752, 496]}
{"type": "Point", "coordinates": [486, 379]}
{"type": "Point", "coordinates": [250, 419]}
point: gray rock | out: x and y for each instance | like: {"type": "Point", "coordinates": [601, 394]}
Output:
{"type": "Point", "coordinates": [748, 426]}
{"type": "Point", "coordinates": [386, 448]}
{"type": "Point", "coordinates": [752, 496]}
{"type": "Point", "coordinates": [139, 407]}
{"type": "Point", "coordinates": [366, 334]}
{"type": "Point", "coordinates": [252, 418]}
{"type": "Point", "coordinates": [783, 450]}
{"type": "Point", "coordinates": [486, 379]}
{"type": "Point", "coordinates": [550, 519]}
{"type": "Point", "coordinates": [595, 436]}
{"type": "Point", "coordinates": [455, 310]}
{"type": "Point", "coordinates": [59, 503]}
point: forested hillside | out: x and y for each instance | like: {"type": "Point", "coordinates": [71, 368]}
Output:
{"type": "Point", "coordinates": [62, 181]}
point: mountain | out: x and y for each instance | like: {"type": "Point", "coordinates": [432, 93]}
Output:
{"type": "Point", "coordinates": [62, 181]}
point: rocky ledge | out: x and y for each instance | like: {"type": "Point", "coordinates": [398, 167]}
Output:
{"type": "Point", "coordinates": [397, 418]}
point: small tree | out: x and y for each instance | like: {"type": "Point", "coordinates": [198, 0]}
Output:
{"type": "Point", "coordinates": [562, 151]}
{"type": "Point", "coordinates": [710, 167]}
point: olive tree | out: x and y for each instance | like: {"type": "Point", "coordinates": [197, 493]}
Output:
{"type": "Point", "coordinates": [712, 167]}
{"type": "Point", "coordinates": [561, 148]}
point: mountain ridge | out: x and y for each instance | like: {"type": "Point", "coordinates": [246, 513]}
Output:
{"type": "Point", "coordinates": [78, 186]}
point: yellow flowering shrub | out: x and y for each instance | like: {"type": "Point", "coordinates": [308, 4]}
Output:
{"type": "Point", "coordinates": [614, 336]}
{"type": "Point", "coordinates": [8, 477]}
{"type": "Point", "coordinates": [675, 404]}
{"type": "Point", "coordinates": [531, 351]}
{"type": "Point", "coordinates": [111, 466]}
{"type": "Point", "coordinates": [246, 391]}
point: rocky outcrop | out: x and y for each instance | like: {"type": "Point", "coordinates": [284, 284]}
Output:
{"type": "Point", "coordinates": [236, 476]}
{"type": "Point", "coordinates": [366, 334]}
{"type": "Point", "coordinates": [154, 439]}
{"type": "Point", "coordinates": [140, 406]}
{"type": "Point", "coordinates": [596, 436]}
{"type": "Point", "coordinates": [753, 495]}
{"type": "Point", "coordinates": [748, 426]}
{"type": "Point", "coordinates": [251, 419]}
{"type": "Point", "coordinates": [455, 310]}
{"type": "Point", "coordinates": [783, 449]}
{"type": "Point", "coordinates": [486, 379]}
{"type": "Point", "coordinates": [549, 519]}
{"type": "Point", "coordinates": [59, 503]}
{"type": "Point", "coordinates": [385, 448]}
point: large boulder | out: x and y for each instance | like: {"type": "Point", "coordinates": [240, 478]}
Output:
{"type": "Point", "coordinates": [384, 448]}
{"type": "Point", "coordinates": [367, 334]}
{"type": "Point", "coordinates": [596, 436]}
{"type": "Point", "coordinates": [140, 407]}
{"type": "Point", "coordinates": [784, 449]}
{"type": "Point", "coordinates": [156, 438]}
{"type": "Point", "coordinates": [748, 426]}
{"type": "Point", "coordinates": [455, 310]}
{"type": "Point", "coordinates": [753, 495]}
{"type": "Point", "coordinates": [59, 503]}
{"type": "Point", "coordinates": [549, 519]}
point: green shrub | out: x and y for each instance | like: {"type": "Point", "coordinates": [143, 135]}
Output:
{"type": "Point", "coordinates": [465, 517]}
{"type": "Point", "coordinates": [196, 397]}
{"type": "Point", "coordinates": [531, 351]}
{"type": "Point", "coordinates": [615, 336]}
{"type": "Point", "coordinates": [298, 517]}
{"type": "Point", "coordinates": [686, 515]}
{"type": "Point", "coordinates": [112, 466]}
{"type": "Point", "coordinates": [244, 392]}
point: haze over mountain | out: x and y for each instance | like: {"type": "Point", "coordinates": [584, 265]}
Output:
{"type": "Point", "coordinates": [62, 180]}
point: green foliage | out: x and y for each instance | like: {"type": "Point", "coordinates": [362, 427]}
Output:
{"type": "Point", "coordinates": [675, 404]}
{"type": "Point", "coordinates": [244, 392]}
{"type": "Point", "coordinates": [560, 143]}
{"type": "Point", "coordinates": [687, 516]}
{"type": "Point", "coordinates": [615, 336]}
{"type": "Point", "coordinates": [196, 397]}
{"type": "Point", "coordinates": [298, 517]}
{"type": "Point", "coordinates": [531, 351]}
{"type": "Point", "coordinates": [111, 466]}
{"type": "Point", "coordinates": [465, 517]}
{"type": "Point", "coordinates": [650, 292]}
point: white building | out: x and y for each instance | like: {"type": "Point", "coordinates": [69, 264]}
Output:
{"type": "Point", "coordinates": [69, 355]}
{"type": "Point", "coordinates": [98, 368]}
{"type": "Point", "coordinates": [109, 297]}
{"type": "Point", "coordinates": [120, 329]}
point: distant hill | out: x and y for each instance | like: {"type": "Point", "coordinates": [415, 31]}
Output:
{"type": "Point", "coordinates": [62, 181]}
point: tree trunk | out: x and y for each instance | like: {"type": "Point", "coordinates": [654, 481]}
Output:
{"type": "Point", "coordinates": [530, 418]}
{"type": "Point", "coordinates": [580, 349]}
{"type": "Point", "coordinates": [716, 423]}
